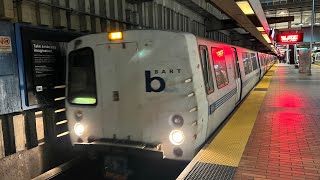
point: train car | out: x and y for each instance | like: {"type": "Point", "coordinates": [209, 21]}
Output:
{"type": "Point", "coordinates": [153, 90]}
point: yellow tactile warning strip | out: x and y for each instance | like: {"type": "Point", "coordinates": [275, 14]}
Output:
{"type": "Point", "coordinates": [227, 147]}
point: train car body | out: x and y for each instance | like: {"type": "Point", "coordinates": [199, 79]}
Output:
{"type": "Point", "coordinates": [155, 90]}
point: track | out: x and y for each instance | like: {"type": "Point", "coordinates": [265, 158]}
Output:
{"type": "Point", "coordinates": [139, 168]}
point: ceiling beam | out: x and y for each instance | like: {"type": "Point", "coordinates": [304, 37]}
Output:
{"type": "Point", "coordinates": [196, 8]}
{"type": "Point", "coordinates": [295, 4]}
{"type": "Point", "coordinates": [272, 20]}
{"type": "Point", "coordinates": [215, 25]}
{"type": "Point", "coordinates": [259, 15]}
{"type": "Point", "coordinates": [231, 9]}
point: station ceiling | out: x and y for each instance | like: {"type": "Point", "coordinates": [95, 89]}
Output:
{"type": "Point", "coordinates": [301, 10]}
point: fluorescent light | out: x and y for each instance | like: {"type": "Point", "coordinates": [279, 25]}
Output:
{"type": "Point", "coordinates": [261, 29]}
{"type": "Point", "coordinates": [266, 37]}
{"type": "Point", "coordinates": [245, 7]}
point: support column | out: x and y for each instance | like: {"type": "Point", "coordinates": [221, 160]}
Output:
{"type": "Point", "coordinates": [59, 16]}
{"type": "Point", "coordinates": [49, 125]}
{"type": "Point", "coordinates": [8, 135]}
{"type": "Point", "coordinates": [31, 129]}
{"type": "Point", "coordinates": [292, 54]}
{"type": "Point", "coordinates": [6, 9]}
{"type": "Point", "coordinates": [74, 19]}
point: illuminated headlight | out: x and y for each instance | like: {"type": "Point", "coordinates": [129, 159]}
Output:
{"type": "Point", "coordinates": [176, 137]}
{"type": "Point", "coordinates": [78, 129]}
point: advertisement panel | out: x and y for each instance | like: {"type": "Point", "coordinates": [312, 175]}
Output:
{"type": "Point", "coordinates": [290, 38]}
{"type": "Point", "coordinates": [41, 57]}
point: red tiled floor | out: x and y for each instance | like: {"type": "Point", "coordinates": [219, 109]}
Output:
{"type": "Point", "coordinates": [285, 140]}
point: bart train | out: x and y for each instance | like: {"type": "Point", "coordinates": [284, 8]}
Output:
{"type": "Point", "coordinates": [154, 90]}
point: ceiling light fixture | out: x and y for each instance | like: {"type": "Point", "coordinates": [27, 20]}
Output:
{"type": "Point", "coordinates": [245, 7]}
{"type": "Point", "coordinates": [261, 29]}
{"type": "Point", "coordinates": [266, 37]}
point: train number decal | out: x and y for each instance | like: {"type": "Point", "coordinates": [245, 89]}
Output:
{"type": "Point", "coordinates": [162, 86]}
{"type": "Point", "coordinates": [149, 80]}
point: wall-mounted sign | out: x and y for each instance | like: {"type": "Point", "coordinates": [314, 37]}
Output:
{"type": "Point", "coordinates": [290, 38]}
{"type": "Point", "coordinates": [45, 59]}
{"type": "Point", "coordinates": [5, 44]}
{"type": "Point", "coordinates": [41, 59]}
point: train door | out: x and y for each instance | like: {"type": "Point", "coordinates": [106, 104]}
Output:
{"type": "Point", "coordinates": [237, 76]}
{"type": "Point", "coordinates": [120, 79]}
{"type": "Point", "coordinates": [259, 59]}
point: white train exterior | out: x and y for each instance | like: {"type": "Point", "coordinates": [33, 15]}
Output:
{"type": "Point", "coordinates": [156, 90]}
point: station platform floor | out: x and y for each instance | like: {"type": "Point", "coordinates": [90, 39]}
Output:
{"type": "Point", "coordinates": [274, 133]}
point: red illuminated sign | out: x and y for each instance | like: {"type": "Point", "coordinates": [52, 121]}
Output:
{"type": "Point", "coordinates": [220, 53]}
{"type": "Point", "coordinates": [290, 38]}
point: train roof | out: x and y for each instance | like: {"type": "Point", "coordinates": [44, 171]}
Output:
{"type": "Point", "coordinates": [166, 31]}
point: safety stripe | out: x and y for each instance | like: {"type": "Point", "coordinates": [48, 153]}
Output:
{"type": "Point", "coordinates": [221, 101]}
{"type": "Point", "coordinates": [215, 105]}
{"type": "Point", "coordinates": [210, 171]}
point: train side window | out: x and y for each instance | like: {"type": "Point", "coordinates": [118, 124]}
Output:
{"type": "Point", "coordinates": [81, 77]}
{"type": "Point", "coordinates": [247, 62]}
{"type": "Point", "coordinates": [220, 67]}
{"type": "Point", "coordinates": [206, 69]}
{"type": "Point", "coordinates": [254, 61]}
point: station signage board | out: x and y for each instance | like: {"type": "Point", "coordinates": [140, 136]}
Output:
{"type": "Point", "coordinates": [41, 59]}
{"type": "Point", "coordinates": [291, 38]}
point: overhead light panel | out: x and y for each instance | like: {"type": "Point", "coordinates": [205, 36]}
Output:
{"type": "Point", "coordinates": [261, 29]}
{"type": "Point", "coordinates": [266, 37]}
{"type": "Point", "coordinates": [245, 7]}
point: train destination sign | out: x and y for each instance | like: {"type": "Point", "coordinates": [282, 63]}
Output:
{"type": "Point", "coordinates": [290, 38]}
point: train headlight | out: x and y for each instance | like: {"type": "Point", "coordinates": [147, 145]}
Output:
{"type": "Point", "coordinates": [78, 129]}
{"type": "Point", "coordinates": [176, 137]}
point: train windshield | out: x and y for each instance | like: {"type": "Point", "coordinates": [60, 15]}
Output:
{"type": "Point", "coordinates": [82, 80]}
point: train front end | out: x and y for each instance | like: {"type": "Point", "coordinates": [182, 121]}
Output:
{"type": "Point", "coordinates": [133, 91]}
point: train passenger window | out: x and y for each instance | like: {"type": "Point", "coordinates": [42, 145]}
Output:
{"type": "Point", "coordinates": [206, 69]}
{"type": "Point", "coordinates": [220, 67]}
{"type": "Point", "coordinates": [254, 61]}
{"type": "Point", "coordinates": [81, 77]}
{"type": "Point", "coordinates": [247, 62]}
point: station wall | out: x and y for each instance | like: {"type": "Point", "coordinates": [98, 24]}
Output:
{"type": "Point", "coordinates": [111, 15]}
{"type": "Point", "coordinates": [9, 79]}
{"type": "Point", "coordinates": [316, 34]}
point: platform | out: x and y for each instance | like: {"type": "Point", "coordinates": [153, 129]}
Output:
{"type": "Point", "coordinates": [274, 134]}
